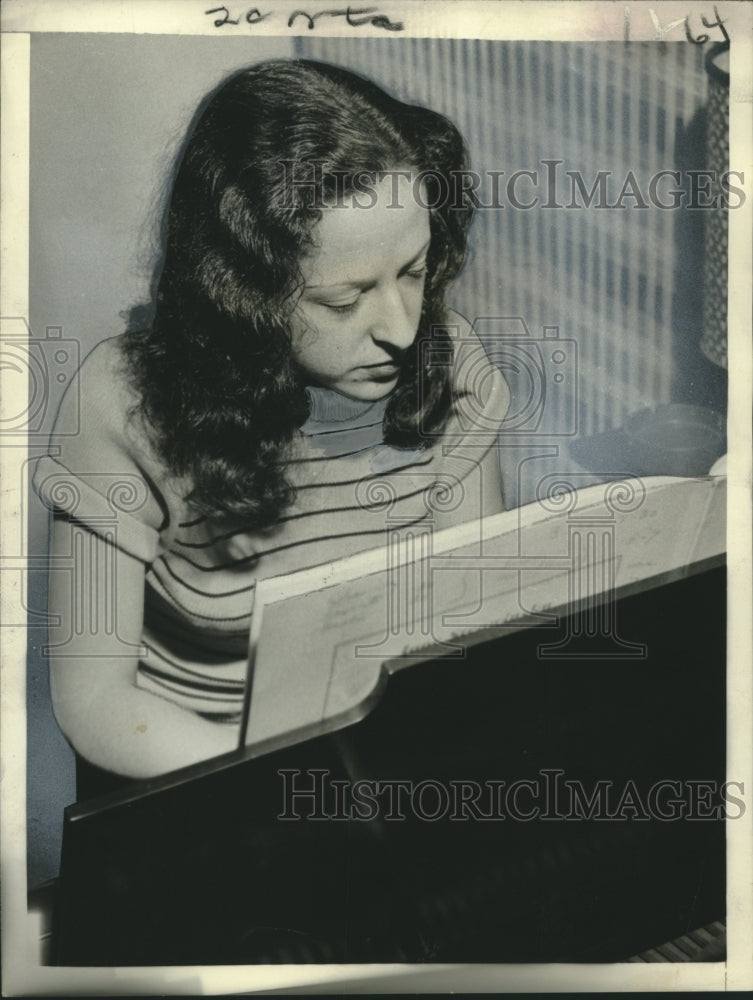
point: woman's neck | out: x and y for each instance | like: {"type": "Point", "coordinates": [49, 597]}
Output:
{"type": "Point", "coordinates": [330, 406]}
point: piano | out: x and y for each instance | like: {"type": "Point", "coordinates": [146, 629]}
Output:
{"type": "Point", "coordinates": [502, 807]}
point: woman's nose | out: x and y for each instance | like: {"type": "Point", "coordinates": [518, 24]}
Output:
{"type": "Point", "coordinates": [394, 322]}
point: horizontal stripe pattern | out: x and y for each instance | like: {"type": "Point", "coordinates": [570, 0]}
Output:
{"type": "Point", "coordinates": [350, 488]}
{"type": "Point", "coordinates": [207, 579]}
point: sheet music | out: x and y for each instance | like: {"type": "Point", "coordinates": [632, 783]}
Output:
{"type": "Point", "coordinates": [322, 638]}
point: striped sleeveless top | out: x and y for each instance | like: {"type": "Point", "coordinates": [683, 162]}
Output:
{"type": "Point", "coordinates": [201, 573]}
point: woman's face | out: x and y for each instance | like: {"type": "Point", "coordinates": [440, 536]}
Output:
{"type": "Point", "coordinates": [363, 292]}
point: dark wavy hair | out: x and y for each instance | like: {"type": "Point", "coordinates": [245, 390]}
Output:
{"type": "Point", "coordinates": [217, 384]}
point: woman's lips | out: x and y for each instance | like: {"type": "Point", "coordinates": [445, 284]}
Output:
{"type": "Point", "coordinates": [387, 369]}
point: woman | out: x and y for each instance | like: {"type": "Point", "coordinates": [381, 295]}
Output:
{"type": "Point", "coordinates": [300, 355]}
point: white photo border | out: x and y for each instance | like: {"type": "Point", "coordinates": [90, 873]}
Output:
{"type": "Point", "coordinates": [504, 19]}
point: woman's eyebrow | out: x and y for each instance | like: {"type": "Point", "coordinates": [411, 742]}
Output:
{"type": "Point", "coordinates": [364, 285]}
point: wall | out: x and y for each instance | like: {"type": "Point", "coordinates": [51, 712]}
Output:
{"type": "Point", "coordinates": [622, 286]}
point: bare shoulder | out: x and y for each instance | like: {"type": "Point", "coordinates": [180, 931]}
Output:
{"type": "Point", "coordinates": [97, 418]}
{"type": "Point", "coordinates": [475, 378]}
{"type": "Point", "coordinates": [102, 387]}
{"type": "Point", "coordinates": [105, 363]}
{"type": "Point", "coordinates": [461, 325]}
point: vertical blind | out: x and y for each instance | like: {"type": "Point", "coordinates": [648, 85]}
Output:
{"type": "Point", "coordinates": [607, 278]}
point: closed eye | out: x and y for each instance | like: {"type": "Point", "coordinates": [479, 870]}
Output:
{"type": "Point", "coordinates": [349, 307]}
{"type": "Point", "coordinates": [412, 272]}
{"type": "Point", "coordinates": [416, 273]}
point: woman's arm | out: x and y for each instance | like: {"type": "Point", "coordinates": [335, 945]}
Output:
{"type": "Point", "coordinates": [481, 394]}
{"type": "Point", "coordinates": [482, 494]}
{"type": "Point", "coordinates": [108, 720]}
{"type": "Point", "coordinates": [491, 494]}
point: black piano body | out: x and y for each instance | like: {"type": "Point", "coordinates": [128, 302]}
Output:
{"type": "Point", "coordinates": [498, 808]}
